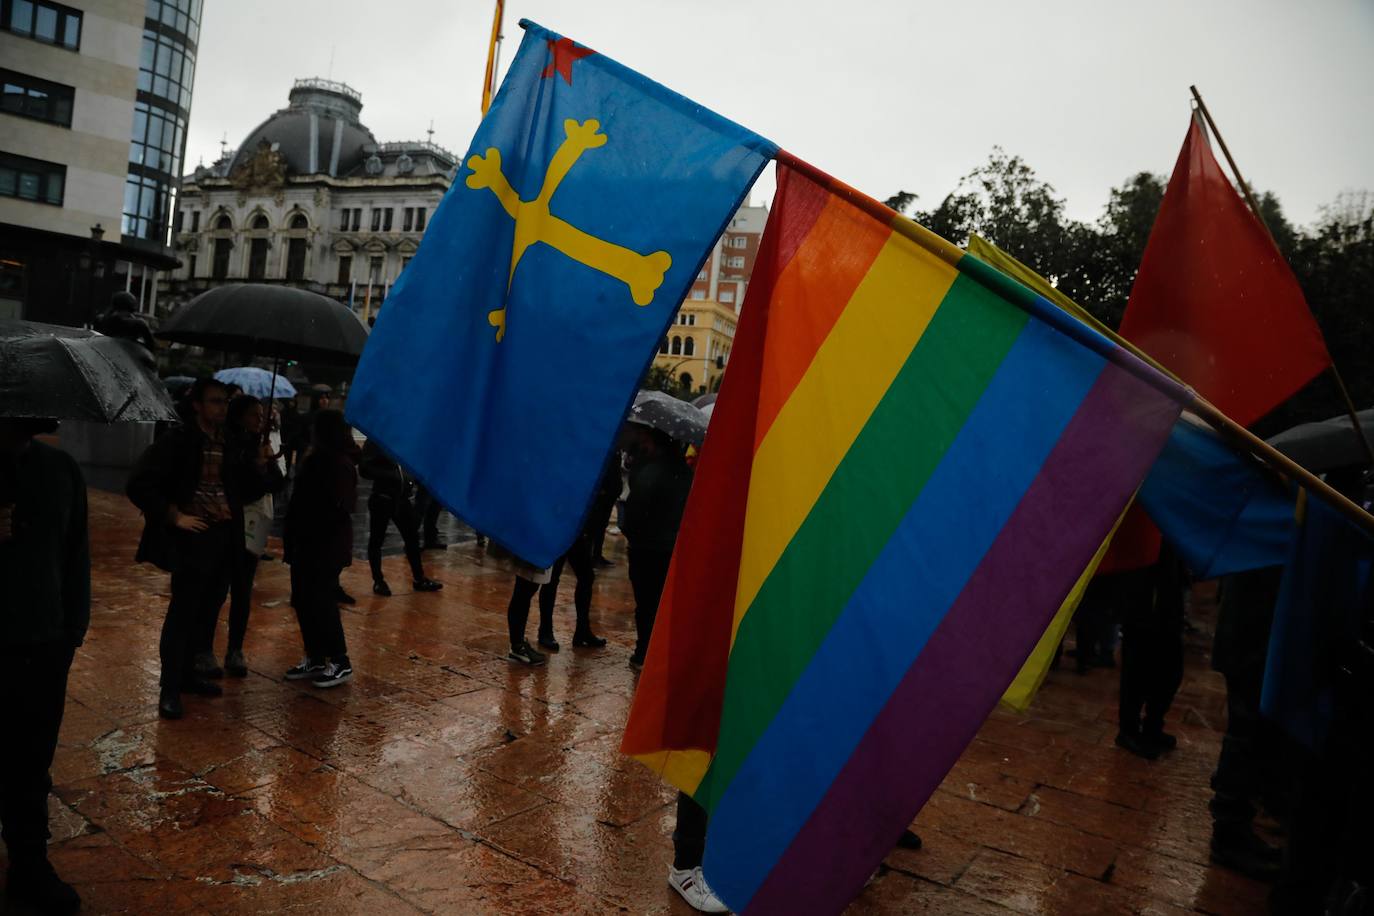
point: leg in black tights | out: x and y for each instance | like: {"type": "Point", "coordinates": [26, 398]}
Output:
{"type": "Point", "coordinates": [518, 613]}
{"type": "Point", "coordinates": [241, 598]}
{"type": "Point", "coordinates": [548, 595]}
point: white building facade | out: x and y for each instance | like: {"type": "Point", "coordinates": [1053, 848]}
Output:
{"type": "Point", "coordinates": [309, 199]}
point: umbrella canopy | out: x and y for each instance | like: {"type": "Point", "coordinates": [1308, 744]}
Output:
{"type": "Point", "coordinates": [74, 374]}
{"type": "Point", "coordinates": [1327, 444]}
{"type": "Point", "coordinates": [704, 401]}
{"type": "Point", "coordinates": [260, 383]}
{"type": "Point", "coordinates": [277, 321]}
{"type": "Point", "coordinates": [670, 416]}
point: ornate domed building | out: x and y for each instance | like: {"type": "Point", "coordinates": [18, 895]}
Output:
{"type": "Point", "coordinates": [310, 199]}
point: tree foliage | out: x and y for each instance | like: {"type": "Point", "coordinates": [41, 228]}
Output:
{"type": "Point", "coordinates": [1095, 263]}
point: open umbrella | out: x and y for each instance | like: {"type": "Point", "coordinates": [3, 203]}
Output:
{"type": "Point", "coordinates": [1327, 444]}
{"type": "Point", "coordinates": [669, 415]}
{"type": "Point", "coordinates": [277, 321]}
{"type": "Point", "coordinates": [74, 374]}
{"type": "Point", "coordinates": [704, 401]}
{"type": "Point", "coordinates": [257, 382]}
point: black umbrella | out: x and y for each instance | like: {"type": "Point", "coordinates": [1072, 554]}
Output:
{"type": "Point", "coordinates": [277, 321]}
{"type": "Point", "coordinates": [1327, 444]}
{"type": "Point", "coordinates": [73, 374]}
{"type": "Point", "coordinates": [668, 415]}
{"type": "Point", "coordinates": [704, 401]}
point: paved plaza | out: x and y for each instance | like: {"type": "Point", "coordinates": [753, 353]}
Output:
{"type": "Point", "coordinates": [443, 779]}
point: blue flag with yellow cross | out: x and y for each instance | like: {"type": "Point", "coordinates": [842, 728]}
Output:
{"type": "Point", "coordinates": [508, 352]}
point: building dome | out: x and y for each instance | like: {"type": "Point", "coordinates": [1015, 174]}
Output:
{"type": "Point", "coordinates": [317, 133]}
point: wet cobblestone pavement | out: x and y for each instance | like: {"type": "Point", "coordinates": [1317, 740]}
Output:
{"type": "Point", "coordinates": [445, 780]}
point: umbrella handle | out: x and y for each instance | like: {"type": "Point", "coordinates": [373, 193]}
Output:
{"type": "Point", "coordinates": [271, 402]}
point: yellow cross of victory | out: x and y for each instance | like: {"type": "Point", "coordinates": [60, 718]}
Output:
{"type": "Point", "coordinates": [643, 274]}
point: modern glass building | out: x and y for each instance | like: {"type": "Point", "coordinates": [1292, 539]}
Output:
{"type": "Point", "coordinates": [162, 109]}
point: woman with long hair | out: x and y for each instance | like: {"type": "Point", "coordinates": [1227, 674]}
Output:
{"type": "Point", "coordinates": [319, 545]}
{"type": "Point", "coordinates": [245, 448]}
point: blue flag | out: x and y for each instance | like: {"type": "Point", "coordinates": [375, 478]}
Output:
{"type": "Point", "coordinates": [508, 352]}
{"type": "Point", "coordinates": [1220, 510]}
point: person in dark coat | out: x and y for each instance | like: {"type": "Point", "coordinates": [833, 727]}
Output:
{"type": "Point", "coordinates": [319, 546]}
{"type": "Point", "coordinates": [46, 567]}
{"type": "Point", "coordinates": [120, 320]}
{"type": "Point", "coordinates": [659, 483]}
{"type": "Point", "coordinates": [246, 450]}
{"type": "Point", "coordinates": [1151, 607]}
{"type": "Point", "coordinates": [607, 493]}
{"type": "Point", "coordinates": [193, 524]}
{"type": "Point", "coordinates": [390, 502]}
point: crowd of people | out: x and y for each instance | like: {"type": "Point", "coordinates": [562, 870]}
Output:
{"type": "Point", "coordinates": [207, 490]}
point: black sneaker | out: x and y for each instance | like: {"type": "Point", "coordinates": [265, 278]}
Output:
{"type": "Point", "coordinates": [546, 641]}
{"type": "Point", "coordinates": [637, 660]}
{"type": "Point", "coordinates": [526, 654]}
{"type": "Point", "coordinates": [33, 882]}
{"type": "Point", "coordinates": [307, 670]}
{"type": "Point", "coordinates": [344, 597]}
{"type": "Point", "coordinates": [334, 674]}
{"type": "Point", "coordinates": [427, 585]}
{"type": "Point", "coordinates": [380, 588]}
{"type": "Point", "coordinates": [588, 640]}
{"type": "Point", "coordinates": [908, 840]}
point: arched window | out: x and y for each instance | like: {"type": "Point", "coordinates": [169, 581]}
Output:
{"type": "Point", "coordinates": [663, 347]}
{"type": "Point", "coordinates": [223, 222]}
{"type": "Point", "coordinates": [677, 345]}
{"type": "Point", "coordinates": [689, 346]}
{"type": "Point", "coordinates": [300, 222]}
{"type": "Point", "coordinates": [259, 222]}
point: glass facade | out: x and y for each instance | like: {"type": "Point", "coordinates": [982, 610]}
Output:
{"type": "Point", "coordinates": [171, 29]}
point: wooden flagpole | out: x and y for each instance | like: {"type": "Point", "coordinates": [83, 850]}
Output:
{"type": "Point", "coordinates": [1254, 208]}
{"type": "Point", "coordinates": [1230, 429]}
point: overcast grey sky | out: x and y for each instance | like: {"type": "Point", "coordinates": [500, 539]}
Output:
{"type": "Point", "coordinates": [888, 95]}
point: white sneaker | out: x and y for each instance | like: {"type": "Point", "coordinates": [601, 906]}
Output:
{"type": "Point", "coordinates": [691, 884]}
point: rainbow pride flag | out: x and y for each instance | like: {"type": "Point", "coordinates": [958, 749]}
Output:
{"type": "Point", "coordinates": [912, 461]}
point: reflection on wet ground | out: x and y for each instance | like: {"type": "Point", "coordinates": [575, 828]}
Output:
{"type": "Point", "coordinates": [442, 779]}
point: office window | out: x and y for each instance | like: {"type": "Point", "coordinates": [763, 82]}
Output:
{"type": "Point", "coordinates": [386, 220]}
{"type": "Point", "coordinates": [405, 260]}
{"type": "Point", "coordinates": [190, 267]}
{"type": "Point", "coordinates": [300, 222]}
{"type": "Point", "coordinates": [176, 221]}
{"type": "Point", "coordinates": [32, 179]}
{"type": "Point", "coordinates": [689, 347]}
{"type": "Point", "coordinates": [345, 269]}
{"type": "Point", "coordinates": [374, 270]}
{"type": "Point", "coordinates": [735, 262]}
{"type": "Point", "coordinates": [701, 275]}
{"type": "Point", "coordinates": [260, 222]}
{"type": "Point", "coordinates": [698, 294]}
{"type": "Point", "coordinates": [343, 220]}
{"type": "Point", "coordinates": [739, 241]}
{"type": "Point", "coordinates": [357, 218]}
{"type": "Point", "coordinates": [419, 219]}
{"type": "Point", "coordinates": [31, 97]}
{"type": "Point", "coordinates": [677, 346]}
{"type": "Point", "coordinates": [663, 347]}
{"type": "Point", "coordinates": [195, 220]}
{"type": "Point", "coordinates": [376, 220]}
{"type": "Point", "coordinates": [409, 220]}
{"type": "Point", "coordinates": [727, 296]}
{"type": "Point", "coordinates": [223, 222]}
{"type": "Point", "coordinates": [50, 23]}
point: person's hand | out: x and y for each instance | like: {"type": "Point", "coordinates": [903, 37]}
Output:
{"type": "Point", "coordinates": [6, 523]}
{"type": "Point", "coordinates": [192, 523]}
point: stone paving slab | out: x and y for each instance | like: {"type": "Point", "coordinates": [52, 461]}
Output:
{"type": "Point", "coordinates": [445, 780]}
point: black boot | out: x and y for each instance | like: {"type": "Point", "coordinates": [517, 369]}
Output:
{"type": "Point", "coordinates": [546, 641]}
{"type": "Point", "coordinates": [1237, 847]}
{"type": "Point", "coordinates": [32, 881]}
{"type": "Point", "coordinates": [169, 704]}
{"type": "Point", "coordinates": [586, 639]}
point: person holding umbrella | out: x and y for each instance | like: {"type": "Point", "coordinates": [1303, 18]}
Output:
{"type": "Point", "coordinates": [193, 524]}
{"type": "Point", "coordinates": [46, 567]}
{"type": "Point", "coordinates": [659, 427]}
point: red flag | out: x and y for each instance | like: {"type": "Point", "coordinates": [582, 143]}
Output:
{"type": "Point", "coordinates": [1214, 300]}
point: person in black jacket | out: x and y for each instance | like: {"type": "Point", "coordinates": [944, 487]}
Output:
{"type": "Point", "coordinates": [659, 483]}
{"type": "Point", "coordinates": [390, 502]}
{"type": "Point", "coordinates": [247, 451]}
{"type": "Point", "coordinates": [46, 567]}
{"type": "Point", "coordinates": [193, 524]}
{"type": "Point", "coordinates": [319, 545]}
